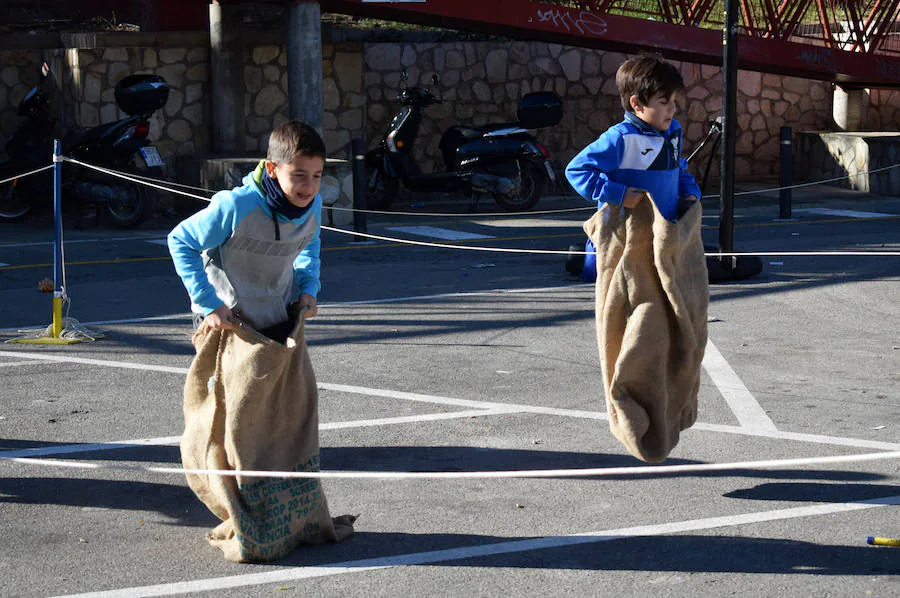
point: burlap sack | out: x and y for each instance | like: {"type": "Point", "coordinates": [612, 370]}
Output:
{"type": "Point", "coordinates": [251, 403]}
{"type": "Point", "coordinates": [652, 295]}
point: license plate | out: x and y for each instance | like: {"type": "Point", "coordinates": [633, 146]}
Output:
{"type": "Point", "coordinates": [151, 156]}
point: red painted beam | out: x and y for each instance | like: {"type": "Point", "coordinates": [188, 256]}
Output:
{"type": "Point", "coordinates": [572, 26]}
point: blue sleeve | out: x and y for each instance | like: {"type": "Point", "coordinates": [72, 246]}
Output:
{"type": "Point", "coordinates": [686, 183]}
{"type": "Point", "coordinates": [307, 265]}
{"type": "Point", "coordinates": [206, 229]}
{"type": "Point", "coordinates": [588, 172]}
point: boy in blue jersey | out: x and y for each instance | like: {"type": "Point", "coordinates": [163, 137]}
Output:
{"type": "Point", "coordinates": [642, 154]}
{"type": "Point", "coordinates": [254, 251]}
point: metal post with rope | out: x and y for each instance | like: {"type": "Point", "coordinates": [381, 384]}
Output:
{"type": "Point", "coordinates": [62, 330]}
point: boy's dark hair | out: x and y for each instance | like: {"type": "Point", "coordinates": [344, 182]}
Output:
{"type": "Point", "coordinates": [645, 76]}
{"type": "Point", "coordinates": [294, 138]}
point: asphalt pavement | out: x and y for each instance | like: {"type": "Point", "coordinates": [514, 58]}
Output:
{"type": "Point", "coordinates": [459, 360]}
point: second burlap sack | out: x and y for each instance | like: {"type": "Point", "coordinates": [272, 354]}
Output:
{"type": "Point", "coordinates": [251, 403]}
{"type": "Point", "coordinates": [652, 297]}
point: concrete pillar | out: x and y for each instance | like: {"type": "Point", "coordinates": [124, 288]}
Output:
{"type": "Point", "coordinates": [850, 108]}
{"type": "Point", "coordinates": [304, 62]}
{"type": "Point", "coordinates": [226, 80]}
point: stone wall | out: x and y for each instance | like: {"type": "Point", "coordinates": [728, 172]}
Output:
{"type": "Point", "coordinates": [480, 82]}
{"type": "Point", "coordinates": [89, 77]}
{"type": "Point", "coordinates": [821, 156]}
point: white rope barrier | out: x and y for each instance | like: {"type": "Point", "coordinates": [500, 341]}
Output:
{"type": "Point", "coordinates": [22, 176]}
{"type": "Point", "coordinates": [548, 473]}
{"type": "Point", "coordinates": [172, 183]}
{"type": "Point", "coordinates": [501, 249]}
{"type": "Point", "coordinates": [799, 185]}
{"type": "Point", "coordinates": [130, 177]}
{"type": "Point", "coordinates": [561, 252]}
{"type": "Point", "coordinates": [457, 475]}
{"type": "Point", "coordinates": [145, 180]}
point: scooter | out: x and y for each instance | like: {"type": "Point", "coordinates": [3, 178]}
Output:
{"type": "Point", "coordinates": [502, 160]}
{"type": "Point", "coordinates": [121, 145]}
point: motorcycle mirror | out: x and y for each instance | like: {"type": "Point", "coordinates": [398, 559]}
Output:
{"type": "Point", "coordinates": [45, 69]}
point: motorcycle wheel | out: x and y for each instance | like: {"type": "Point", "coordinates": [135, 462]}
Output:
{"type": "Point", "coordinates": [381, 191]}
{"type": "Point", "coordinates": [131, 205]}
{"type": "Point", "coordinates": [530, 191]}
{"type": "Point", "coordinates": [13, 207]}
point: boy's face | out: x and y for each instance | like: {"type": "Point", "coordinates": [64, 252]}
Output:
{"type": "Point", "coordinates": [658, 112]}
{"type": "Point", "coordinates": [299, 179]}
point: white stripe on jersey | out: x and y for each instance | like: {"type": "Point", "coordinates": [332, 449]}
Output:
{"type": "Point", "coordinates": [640, 151]}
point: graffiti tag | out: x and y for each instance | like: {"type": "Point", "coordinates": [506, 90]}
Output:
{"type": "Point", "coordinates": [819, 58]}
{"type": "Point", "coordinates": [585, 22]}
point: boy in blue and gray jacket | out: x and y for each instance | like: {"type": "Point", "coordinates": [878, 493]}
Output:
{"type": "Point", "coordinates": [254, 251]}
{"type": "Point", "coordinates": [643, 152]}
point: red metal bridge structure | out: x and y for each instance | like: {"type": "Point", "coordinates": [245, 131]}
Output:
{"type": "Point", "coordinates": [851, 42]}
{"type": "Point", "coordinates": [855, 43]}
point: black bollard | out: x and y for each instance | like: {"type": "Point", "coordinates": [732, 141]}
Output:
{"type": "Point", "coordinates": [358, 165]}
{"type": "Point", "coordinates": [787, 174]}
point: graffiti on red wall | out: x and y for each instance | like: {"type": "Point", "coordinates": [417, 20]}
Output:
{"type": "Point", "coordinates": [584, 22]}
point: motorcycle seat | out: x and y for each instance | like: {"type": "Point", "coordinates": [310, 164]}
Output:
{"type": "Point", "coordinates": [84, 136]}
{"type": "Point", "coordinates": [497, 127]}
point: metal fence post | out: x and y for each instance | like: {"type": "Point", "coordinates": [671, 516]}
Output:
{"type": "Point", "coordinates": [787, 175]}
{"type": "Point", "coordinates": [58, 289]}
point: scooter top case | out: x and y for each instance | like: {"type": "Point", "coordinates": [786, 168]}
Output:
{"type": "Point", "coordinates": [141, 94]}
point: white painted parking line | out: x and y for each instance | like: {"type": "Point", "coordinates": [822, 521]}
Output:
{"type": "Point", "coordinates": [746, 408]}
{"type": "Point", "coordinates": [133, 237]}
{"type": "Point", "coordinates": [282, 575]}
{"type": "Point", "coordinates": [72, 449]}
{"type": "Point", "coordinates": [484, 408]}
{"type": "Point", "coordinates": [98, 362]}
{"type": "Point", "coordinates": [162, 241]}
{"type": "Point", "coordinates": [531, 223]}
{"type": "Point", "coordinates": [438, 233]}
{"type": "Point", "coordinates": [843, 213]}
{"type": "Point", "coordinates": [3, 264]}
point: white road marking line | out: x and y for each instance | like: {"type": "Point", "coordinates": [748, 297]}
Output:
{"type": "Point", "coordinates": [282, 575]}
{"type": "Point", "coordinates": [486, 405]}
{"type": "Point", "coordinates": [531, 223]}
{"type": "Point", "coordinates": [438, 233]}
{"type": "Point", "coordinates": [3, 264]}
{"type": "Point", "coordinates": [799, 437]}
{"type": "Point", "coordinates": [162, 241]}
{"type": "Point", "coordinates": [134, 237]}
{"type": "Point", "coordinates": [98, 362]}
{"type": "Point", "coordinates": [71, 449]}
{"type": "Point", "coordinates": [845, 213]}
{"type": "Point", "coordinates": [746, 408]}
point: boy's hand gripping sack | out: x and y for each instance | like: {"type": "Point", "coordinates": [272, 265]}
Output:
{"type": "Point", "coordinates": [652, 296]}
{"type": "Point", "coordinates": [251, 403]}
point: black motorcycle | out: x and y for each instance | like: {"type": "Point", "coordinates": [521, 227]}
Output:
{"type": "Point", "coordinates": [502, 160]}
{"type": "Point", "coordinates": [121, 145]}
